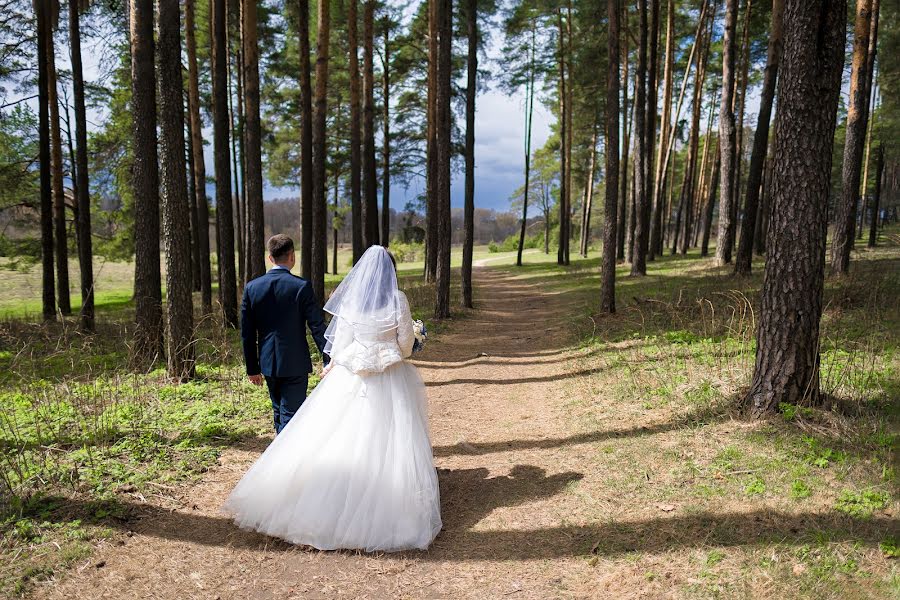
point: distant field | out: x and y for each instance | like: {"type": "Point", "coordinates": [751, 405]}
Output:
{"type": "Point", "coordinates": [20, 291]}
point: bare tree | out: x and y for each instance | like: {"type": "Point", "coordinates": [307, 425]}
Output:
{"type": "Point", "coordinates": [608, 269]}
{"type": "Point", "coordinates": [787, 338]}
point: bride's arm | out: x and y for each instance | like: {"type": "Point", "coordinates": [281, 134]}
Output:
{"type": "Point", "coordinates": [405, 335]}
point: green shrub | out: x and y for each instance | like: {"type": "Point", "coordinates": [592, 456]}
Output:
{"type": "Point", "coordinates": [408, 252]}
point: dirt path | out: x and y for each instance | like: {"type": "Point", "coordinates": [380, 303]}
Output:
{"type": "Point", "coordinates": [498, 390]}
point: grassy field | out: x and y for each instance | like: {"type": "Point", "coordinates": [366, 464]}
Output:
{"type": "Point", "coordinates": [77, 420]}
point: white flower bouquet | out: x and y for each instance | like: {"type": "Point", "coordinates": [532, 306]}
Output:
{"type": "Point", "coordinates": [421, 335]}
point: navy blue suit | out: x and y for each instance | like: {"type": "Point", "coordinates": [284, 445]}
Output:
{"type": "Point", "coordinates": [275, 312]}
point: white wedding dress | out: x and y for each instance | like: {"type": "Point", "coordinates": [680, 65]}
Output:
{"type": "Point", "coordinates": [354, 467]}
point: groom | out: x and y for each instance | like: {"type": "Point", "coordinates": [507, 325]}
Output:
{"type": "Point", "coordinates": [275, 312]}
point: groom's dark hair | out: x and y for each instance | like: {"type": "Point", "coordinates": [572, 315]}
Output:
{"type": "Point", "coordinates": [279, 246]}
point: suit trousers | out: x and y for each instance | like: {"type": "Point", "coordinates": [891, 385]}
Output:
{"type": "Point", "coordinates": [287, 395]}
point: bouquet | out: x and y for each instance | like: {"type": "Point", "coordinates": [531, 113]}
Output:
{"type": "Point", "coordinates": [421, 335]}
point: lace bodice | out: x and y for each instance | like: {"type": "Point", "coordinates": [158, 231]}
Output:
{"type": "Point", "coordinates": [364, 349]}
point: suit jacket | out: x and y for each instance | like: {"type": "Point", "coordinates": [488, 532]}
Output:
{"type": "Point", "coordinates": [275, 312]}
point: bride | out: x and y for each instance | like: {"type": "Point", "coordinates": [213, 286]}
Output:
{"type": "Point", "coordinates": [354, 467]}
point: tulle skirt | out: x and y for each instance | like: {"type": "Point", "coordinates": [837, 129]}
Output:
{"type": "Point", "coordinates": [353, 469]}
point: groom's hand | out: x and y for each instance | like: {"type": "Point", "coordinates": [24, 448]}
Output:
{"type": "Point", "coordinates": [256, 379]}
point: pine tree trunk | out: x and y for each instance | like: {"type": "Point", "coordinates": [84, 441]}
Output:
{"type": "Point", "coordinates": [564, 142]}
{"type": "Point", "coordinates": [224, 217]}
{"type": "Point", "coordinates": [727, 139]}
{"type": "Point", "coordinates": [845, 210]}
{"type": "Point", "coordinates": [60, 235]}
{"type": "Point", "coordinates": [589, 195]}
{"type": "Point", "coordinates": [743, 260]}
{"type": "Point", "coordinates": [787, 339]}
{"type": "Point", "coordinates": [641, 208]}
{"type": "Point", "coordinates": [145, 185]}
{"type": "Point", "coordinates": [306, 142]}
{"type": "Point", "coordinates": [626, 140]}
{"type": "Point", "coordinates": [740, 105]}
{"type": "Point", "coordinates": [608, 268]}
{"type": "Point", "coordinates": [431, 184]}
{"type": "Point", "coordinates": [48, 281]}
{"type": "Point", "coordinates": [443, 143]}
{"type": "Point", "coordinates": [688, 187]}
{"type": "Point", "coordinates": [370, 177]}
{"type": "Point", "coordinates": [876, 198]}
{"type": "Point", "coordinates": [320, 116]}
{"type": "Point", "coordinates": [650, 143]}
{"type": "Point", "coordinates": [192, 203]}
{"type": "Point", "coordinates": [236, 194]}
{"type": "Point", "coordinates": [870, 94]}
{"type": "Point", "coordinates": [356, 208]}
{"type": "Point", "coordinates": [173, 184]}
{"type": "Point", "coordinates": [199, 170]}
{"type": "Point", "coordinates": [529, 113]}
{"type": "Point", "coordinates": [710, 202]}
{"type": "Point", "coordinates": [656, 229]}
{"type": "Point", "coordinates": [386, 143]}
{"type": "Point", "coordinates": [255, 216]}
{"type": "Point", "coordinates": [469, 209]}
{"type": "Point", "coordinates": [85, 250]}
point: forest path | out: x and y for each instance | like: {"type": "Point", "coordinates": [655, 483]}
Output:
{"type": "Point", "coordinates": [507, 459]}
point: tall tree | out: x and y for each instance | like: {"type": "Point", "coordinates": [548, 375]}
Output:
{"type": "Point", "coordinates": [431, 153]}
{"type": "Point", "coordinates": [235, 171]}
{"type": "Point", "coordinates": [356, 218]}
{"type": "Point", "coordinates": [224, 218]}
{"type": "Point", "coordinates": [199, 170]}
{"type": "Point", "coordinates": [650, 137]}
{"type": "Point", "coordinates": [787, 337]}
{"type": "Point", "coordinates": [871, 93]}
{"type": "Point", "coordinates": [306, 143]}
{"type": "Point", "coordinates": [256, 264]}
{"type": "Point", "coordinates": [370, 177]}
{"type": "Point", "coordinates": [83, 217]}
{"type": "Point", "coordinates": [641, 207]}
{"type": "Point", "coordinates": [529, 114]}
{"type": "Point", "coordinates": [564, 153]}
{"type": "Point", "coordinates": [173, 180]}
{"type": "Point", "coordinates": [876, 198]}
{"type": "Point", "coordinates": [386, 133]}
{"type": "Point", "coordinates": [657, 211]}
{"type": "Point", "coordinates": [43, 10]}
{"type": "Point", "coordinates": [743, 260]}
{"type": "Point", "coordinates": [145, 185]}
{"type": "Point", "coordinates": [608, 268]}
{"type": "Point", "coordinates": [471, 9]}
{"type": "Point", "coordinates": [845, 211]}
{"type": "Point", "coordinates": [626, 138]}
{"type": "Point", "coordinates": [727, 138]}
{"type": "Point", "coordinates": [588, 195]}
{"type": "Point", "coordinates": [443, 145]}
{"type": "Point", "coordinates": [319, 253]}
{"type": "Point", "coordinates": [60, 234]}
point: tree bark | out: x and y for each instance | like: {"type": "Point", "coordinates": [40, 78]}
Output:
{"type": "Point", "coordinates": [626, 140]}
{"type": "Point", "coordinates": [650, 142]}
{"type": "Point", "coordinates": [173, 180]}
{"type": "Point", "coordinates": [727, 135]}
{"type": "Point", "coordinates": [845, 210]}
{"type": "Point", "coordinates": [740, 106]}
{"type": "Point", "coordinates": [641, 208]}
{"type": "Point", "coordinates": [356, 208]}
{"type": "Point", "coordinates": [60, 235]}
{"type": "Point", "coordinates": [83, 218]}
{"type": "Point", "coordinates": [386, 141]}
{"type": "Point", "coordinates": [306, 142]}
{"type": "Point", "coordinates": [255, 215]}
{"type": "Point", "coordinates": [199, 174]}
{"type": "Point", "coordinates": [192, 201]}
{"type": "Point", "coordinates": [224, 217]}
{"type": "Point", "coordinates": [148, 337]}
{"type": "Point", "coordinates": [876, 198]}
{"type": "Point", "coordinates": [319, 202]}
{"type": "Point", "coordinates": [656, 218]}
{"type": "Point", "coordinates": [238, 204]}
{"type": "Point", "coordinates": [443, 143]}
{"type": "Point", "coordinates": [743, 261]}
{"type": "Point", "coordinates": [589, 195]}
{"type": "Point", "coordinates": [608, 268]}
{"type": "Point", "coordinates": [469, 209]}
{"type": "Point", "coordinates": [48, 281]}
{"type": "Point", "coordinates": [787, 338]}
{"type": "Point", "coordinates": [431, 184]}
{"type": "Point", "coordinates": [870, 94]}
{"type": "Point", "coordinates": [564, 143]}
{"type": "Point", "coordinates": [370, 177]}
{"type": "Point", "coordinates": [710, 202]}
